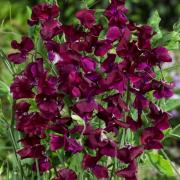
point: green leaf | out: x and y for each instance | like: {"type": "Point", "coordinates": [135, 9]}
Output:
{"type": "Point", "coordinates": [154, 21]}
{"type": "Point", "coordinates": [75, 164]}
{"type": "Point", "coordinates": [78, 119]}
{"type": "Point", "coordinates": [176, 130]}
{"type": "Point", "coordinates": [171, 40]}
{"type": "Point", "coordinates": [161, 164]}
{"type": "Point", "coordinates": [29, 11]}
{"type": "Point", "coordinates": [171, 104]}
{"type": "Point", "coordinates": [6, 107]}
{"type": "Point", "coordinates": [176, 26]}
{"type": "Point", "coordinates": [4, 89]}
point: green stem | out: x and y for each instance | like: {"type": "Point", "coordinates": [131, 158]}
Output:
{"type": "Point", "coordinates": [172, 68]}
{"type": "Point", "coordinates": [37, 169]}
{"type": "Point", "coordinates": [7, 63]}
{"type": "Point", "coordinates": [14, 149]}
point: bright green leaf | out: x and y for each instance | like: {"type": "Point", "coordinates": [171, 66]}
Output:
{"type": "Point", "coordinates": [154, 21]}
{"type": "Point", "coordinates": [161, 164]}
{"type": "Point", "coordinates": [78, 119]}
{"type": "Point", "coordinates": [6, 107]}
{"type": "Point", "coordinates": [4, 89]}
{"type": "Point", "coordinates": [171, 104]}
{"type": "Point", "coordinates": [176, 130]}
{"type": "Point", "coordinates": [176, 26]}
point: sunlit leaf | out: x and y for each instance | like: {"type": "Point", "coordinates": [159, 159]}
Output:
{"type": "Point", "coordinates": [161, 164]}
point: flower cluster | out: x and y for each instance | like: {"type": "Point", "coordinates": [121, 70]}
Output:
{"type": "Point", "coordinates": [102, 77]}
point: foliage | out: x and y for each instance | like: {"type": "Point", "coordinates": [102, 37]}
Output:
{"type": "Point", "coordinates": [62, 157]}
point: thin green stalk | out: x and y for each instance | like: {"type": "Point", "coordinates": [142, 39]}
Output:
{"type": "Point", "coordinates": [7, 63]}
{"type": "Point", "coordinates": [14, 149]}
{"type": "Point", "coordinates": [37, 169]}
{"type": "Point", "coordinates": [175, 135]}
{"type": "Point", "coordinates": [172, 68]}
{"type": "Point", "coordinates": [166, 156]}
{"type": "Point", "coordinates": [7, 171]}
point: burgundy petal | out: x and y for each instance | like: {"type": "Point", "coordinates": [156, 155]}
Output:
{"type": "Point", "coordinates": [56, 142]}
{"type": "Point", "coordinates": [66, 174]}
{"type": "Point", "coordinates": [100, 171]}
{"type": "Point", "coordinates": [88, 64]}
{"type": "Point", "coordinates": [129, 172]}
{"type": "Point", "coordinates": [102, 47]}
{"type": "Point", "coordinates": [17, 58]}
{"type": "Point", "coordinates": [162, 54]}
{"type": "Point", "coordinates": [113, 33]}
{"type": "Point", "coordinates": [86, 17]}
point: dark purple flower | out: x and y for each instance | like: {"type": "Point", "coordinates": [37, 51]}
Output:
{"type": "Point", "coordinates": [88, 64]}
{"type": "Point", "coordinates": [47, 104]}
{"type": "Point", "coordinates": [44, 164]}
{"type": "Point", "coordinates": [86, 106]}
{"type": "Point", "coordinates": [109, 149]}
{"type": "Point", "coordinates": [22, 107]}
{"type": "Point", "coordinates": [128, 173]}
{"type": "Point", "coordinates": [128, 154]}
{"type": "Point", "coordinates": [90, 161]}
{"type": "Point", "coordinates": [151, 137]}
{"type": "Point", "coordinates": [71, 33]}
{"type": "Point", "coordinates": [60, 125]}
{"type": "Point", "coordinates": [22, 88]}
{"type": "Point", "coordinates": [108, 63]}
{"type": "Point", "coordinates": [34, 71]}
{"type": "Point", "coordinates": [102, 47]}
{"type": "Point", "coordinates": [164, 90]}
{"type": "Point", "coordinates": [73, 146]}
{"type": "Point", "coordinates": [160, 119]}
{"type": "Point", "coordinates": [30, 140]}
{"type": "Point", "coordinates": [130, 123]}
{"type": "Point", "coordinates": [17, 58]}
{"type": "Point", "coordinates": [66, 174]}
{"type": "Point", "coordinates": [113, 33]}
{"type": "Point", "coordinates": [145, 34]}
{"type": "Point", "coordinates": [31, 151]}
{"type": "Point", "coordinates": [31, 124]}
{"type": "Point", "coordinates": [85, 109]}
{"type": "Point", "coordinates": [161, 54]}
{"type": "Point", "coordinates": [97, 139]}
{"type": "Point", "coordinates": [56, 142]}
{"type": "Point", "coordinates": [47, 85]}
{"type": "Point", "coordinates": [43, 12]}
{"type": "Point", "coordinates": [86, 17]}
{"type": "Point", "coordinates": [50, 29]}
{"type": "Point", "coordinates": [115, 12]}
{"type": "Point", "coordinates": [140, 102]}
{"type": "Point", "coordinates": [24, 47]}
{"type": "Point", "coordinates": [100, 171]}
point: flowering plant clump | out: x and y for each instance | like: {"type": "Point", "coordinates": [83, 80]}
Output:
{"type": "Point", "coordinates": [89, 92]}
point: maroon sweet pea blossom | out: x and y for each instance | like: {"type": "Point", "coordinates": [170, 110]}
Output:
{"type": "Point", "coordinates": [44, 165]}
{"type": "Point", "coordinates": [43, 12]}
{"type": "Point", "coordinates": [94, 83]}
{"type": "Point", "coordinates": [50, 29]}
{"type": "Point", "coordinates": [66, 174]}
{"type": "Point", "coordinates": [151, 138]}
{"type": "Point", "coordinates": [128, 173]}
{"type": "Point", "coordinates": [86, 17]}
{"type": "Point", "coordinates": [24, 47]}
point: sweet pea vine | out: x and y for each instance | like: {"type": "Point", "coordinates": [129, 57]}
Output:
{"type": "Point", "coordinates": [92, 91]}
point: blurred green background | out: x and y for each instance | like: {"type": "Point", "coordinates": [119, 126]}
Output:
{"type": "Point", "coordinates": [13, 18]}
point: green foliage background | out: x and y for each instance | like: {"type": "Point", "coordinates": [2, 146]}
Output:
{"type": "Point", "coordinates": [13, 17]}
